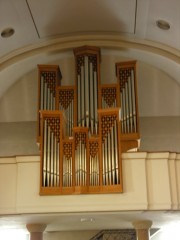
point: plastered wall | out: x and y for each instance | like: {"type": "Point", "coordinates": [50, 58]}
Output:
{"type": "Point", "coordinates": [150, 182]}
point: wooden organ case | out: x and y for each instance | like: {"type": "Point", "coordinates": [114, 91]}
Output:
{"type": "Point", "coordinates": [83, 129]}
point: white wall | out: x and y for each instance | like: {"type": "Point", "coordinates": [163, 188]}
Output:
{"type": "Point", "coordinates": [18, 138]}
{"type": "Point", "coordinates": [160, 134]}
{"type": "Point", "coordinates": [143, 187]}
{"type": "Point", "coordinates": [151, 184]}
{"type": "Point", "coordinates": [157, 134]}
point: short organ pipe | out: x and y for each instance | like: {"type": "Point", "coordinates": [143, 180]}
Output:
{"type": "Point", "coordinates": [92, 110]}
{"type": "Point", "coordinates": [45, 155]}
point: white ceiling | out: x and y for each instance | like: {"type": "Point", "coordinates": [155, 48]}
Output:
{"type": "Point", "coordinates": [36, 21]}
{"type": "Point", "coordinates": [52, 26]}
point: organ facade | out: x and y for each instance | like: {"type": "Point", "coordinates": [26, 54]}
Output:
{"type": "Point", "coordinates": [83, 129]}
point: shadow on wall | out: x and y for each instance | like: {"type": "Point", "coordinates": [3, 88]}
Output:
{"type": "Point", "coordinates": [18, 139]}
{"type": "Point", "coordinates": [157, 134]}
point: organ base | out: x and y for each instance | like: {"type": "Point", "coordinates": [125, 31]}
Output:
{"type": "Point", "coordinates": [130, 145]}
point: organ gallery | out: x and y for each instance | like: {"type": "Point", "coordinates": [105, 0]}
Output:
{"type": "Point", "coordinates": [84, 129]}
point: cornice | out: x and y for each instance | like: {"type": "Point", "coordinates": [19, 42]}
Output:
{"type": "Point", "coordinates": [107, 41]}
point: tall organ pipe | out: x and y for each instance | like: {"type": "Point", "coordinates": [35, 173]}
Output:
{"type": "Point", "coordinates": [58, 183]}
{"type": "Point", "coordinates": [42, 93]}
{"type": "Point", "coordinates": [45, 155]}
{"type": "Point", "coordinates": [52, 158]}
{"type": "Point", "coordinates": [116, 155]}
{"type": "Point", "coordinates": [55, 161]}
{"type": "Point", "coordinates": [79, 100]}
{"type": "Point", "coordinates": [87, 90]}
{"type": "Point", "coordinates": [130, 104]}
{"type": "Point", "coordinates": [82, 97]}
{"type": "Point", "coordinates": [92, 116]}
{"type": "Point", "coordinates": [134, 100]}
{"type": "Point", "coordinates": [113, 155]}
{"type": "Point", "coordinates": [95, 101]}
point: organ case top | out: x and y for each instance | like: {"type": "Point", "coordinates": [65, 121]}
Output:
{"type": "Point", "coordinates": [83, 129]}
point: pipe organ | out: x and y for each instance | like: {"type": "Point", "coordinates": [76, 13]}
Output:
{"type": "Point", "coordinates": [83, 129]}
{"type": "Point", "coordinates": [126, 77]}
{"type": "Point", "coordinates": [49, 78]}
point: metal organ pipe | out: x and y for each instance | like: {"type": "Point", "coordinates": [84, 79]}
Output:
{"type": "Point", "coordinates": [76, 165]}
{"type": "Point", "coordinates": [50, 148]}
{"type": "Point", "coordinates": [66, 104]}
{"type": "Point", "coordinates": [97, 170]}
{"type": "Point", "coordinates": [94, 163]}
{"type": "Point", "coordinates": [48, 98]}
{"type": "Point", "coordinates": [125, 110]}
{"type": "Point", "coordinates": [130, 103]}
{"type": "Point", "coordinates": [110, 156]}
{"type": "Point", "coordinates": [127, 105]}
{"type": "Point", "coordinates": [54, 161]}
{"type": "Point", "coordinates": [67, 170]}
{"type": "Point", "coordinates": [80, 162]}
{"type": "Point", "coordinates": [134, 100]}
{"type": "Point", "coordinates": [103, 163]}
{"type": "Point", "coordinates": [84, 166]}
{"type": "Point", "coordinates": [52, 158]}
{"type": "Point", "coordinates": [82, 97]}
{"type": "Point", "coordinates": [113, 155]}
{"type": "Point", "coordinates": [87, 90]}
{"type": "Point", "coordinates": [45, 155]}
{"type": "Point", "coordinates": [79, 100]}
{"type": "Point", "coordinates": [57, 158]}
{"type": "Point", "coordinates": [42, 93]}
{"type": "Point", "coordinates": [48, 155]}
{"type": "Point", "coordinates": [45, 96]}
{"type": "Point", "coordinates": [87, 96]}
{"type": "Point", "coordinates": [122, 113]}
{"type": "Point", "coordinates": [64, 171]}
{"type": "Point", "coordinates": [95, 101]}
{"type": "Point", "coordinates": [70, 171]}
{"type": "Point", "coordinates": [72, 120]}
{"type": "Point", "coordinates": [116, 155]}
{"type": "Point", "coordinates": [92, 112]}
{"type": "Point", "coordinates": [67, 120]}
{"type": "Point", "coordinates": [106, 161]}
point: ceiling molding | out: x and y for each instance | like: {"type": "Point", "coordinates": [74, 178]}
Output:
{"type": "Point", "coordinates": [107, 41]}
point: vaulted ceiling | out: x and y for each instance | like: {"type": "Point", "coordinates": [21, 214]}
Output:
{"type": "Point", "coordinates": [43, 26]}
